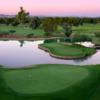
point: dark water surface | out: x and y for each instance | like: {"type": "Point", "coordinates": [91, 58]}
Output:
{"type": "Point", "coordinates": [24, 53]}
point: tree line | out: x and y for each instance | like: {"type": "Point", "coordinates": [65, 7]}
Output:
{"type": "Point", "coordinates": [48, 24]}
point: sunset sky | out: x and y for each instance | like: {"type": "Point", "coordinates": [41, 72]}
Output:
{"type": "Point", "coordinates": [52, 7]}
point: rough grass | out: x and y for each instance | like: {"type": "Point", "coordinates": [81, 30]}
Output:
{"type": "Point", "coordinates": [68, 50]}
{"type": "Point", "coordinates": [51, 82]}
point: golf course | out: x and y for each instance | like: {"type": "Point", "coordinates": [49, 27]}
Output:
{"type": "Point", "coordinates": [49, 50]}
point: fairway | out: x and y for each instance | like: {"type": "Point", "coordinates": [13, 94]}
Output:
{"type": "Point", "coordinates": [21, 30]}
{"type": "Point", "coordinates": [87, 29]}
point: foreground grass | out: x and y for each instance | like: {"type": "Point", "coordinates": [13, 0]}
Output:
{"type": "Point", "coordinates": [42, 79]}
{"type": "Point", "coordinates": [67, 51]}
{"type": "Point", "coordinates": [51, 82]}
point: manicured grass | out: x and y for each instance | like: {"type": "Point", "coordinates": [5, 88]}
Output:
{"type": "Point", "coordinates": [87, 29]}
{"type": "Point", "coordinates": [69, 51]}
{"type": "Point", "coordinates": [21, 30]}
{"type": "Point", "coordinates": [25, 30]}
{"type": "Point", "coordinates": [51, 82]}
{"type": "Point", "coordinates": [44, 79]}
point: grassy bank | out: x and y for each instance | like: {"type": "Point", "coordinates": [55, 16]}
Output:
{"type": "Point", "coordinates": [51, 82]}
{"type": "Point", "coordinates": [67, 51]}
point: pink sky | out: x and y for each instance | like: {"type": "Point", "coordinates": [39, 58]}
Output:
{"type": "Point", "coordinates": [52, 7]}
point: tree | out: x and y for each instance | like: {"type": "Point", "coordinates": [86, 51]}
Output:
{"type": "Point", "coordinates": [8, 21]}
{"type": "Point", "coordinates": [2, 21]}
{"type": "Point", "coordinates": [35, 23]}
{"type": "Point", "coordinates": [49, 26]}
{"type": "Point", "coordinates": [22, 16]}
{"type": "Point", "coordinates": [15, 23]}
{"type": "Point", "coordinates": [67, 29]}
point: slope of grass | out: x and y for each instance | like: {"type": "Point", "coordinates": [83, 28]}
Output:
{"type": "Point", "coordinates": [68, 50]}
{"type": "Point", "coordinates": [44, 79]}
{"type": "Point", "coordinates": [51, 82]}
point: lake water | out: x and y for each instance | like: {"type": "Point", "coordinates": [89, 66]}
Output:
{"type": "Point", "coordinates": [21, 54]}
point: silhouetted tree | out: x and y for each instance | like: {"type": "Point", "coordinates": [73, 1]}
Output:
{"type": "Point", "coordinates": [22, 16]}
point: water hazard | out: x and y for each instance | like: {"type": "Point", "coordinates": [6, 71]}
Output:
{"type": "Point", "coordinates": [23, 53]}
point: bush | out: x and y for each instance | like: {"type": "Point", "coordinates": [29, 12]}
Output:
{"type": "Point", "coordinates": [65, 40]}
{"type": "Point", "coordinates": [47, 33]}
{"type": "Point", "coordinates": [97, 34]}
{"type": "Point", "coordinates": [50, 40]}
{"type": "Point", "coordinates": [15, 24]}
{"type": "Point", "coordinates": [85, 38]}
{"type": "Point", "coordinates": [80, 37]}
{"type": "Point", "coordinates": [12, 31]}
{"type": "Point", "coordinates": [30, 35]}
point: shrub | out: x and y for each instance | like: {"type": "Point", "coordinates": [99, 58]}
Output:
{"type": "Point", "coordinates": [30, 35]}
{"type": "Point", "coordinates": [47, 33]}
{"type": "Point", "coordinates": [12, 31]}
{"type": "Point", "coordinates": [15, 24]}
{"type": "Point", "coordinates": [97, 34]}
{"type": "Point", "coordinates": [80, 37]}
{"type": "Point", "coordinates": [65, 40]}
{"type": "Point", "coordinates": [50, 40]}
{"type": "Point", "coordinates": [85, 38]}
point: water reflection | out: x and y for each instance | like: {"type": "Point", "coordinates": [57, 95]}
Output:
{"type": "Point", "coordinates": [82, 59]}
{"type": "Point", "coordinates": [24, 53]}
{"type": "Point", "coordinates": [21, 43]}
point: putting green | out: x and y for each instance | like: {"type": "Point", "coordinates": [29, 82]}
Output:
{"type": "Point", "coordinates": [67, 51]}
{"type": "Point", "coordinates": [43, 78]}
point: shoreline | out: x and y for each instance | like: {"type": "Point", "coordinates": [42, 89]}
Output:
{"type": "Point", "coordinates": [29, 39]}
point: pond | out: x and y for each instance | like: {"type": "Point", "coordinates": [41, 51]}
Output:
{"type": "Point", "coordinates": [15, 54]}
